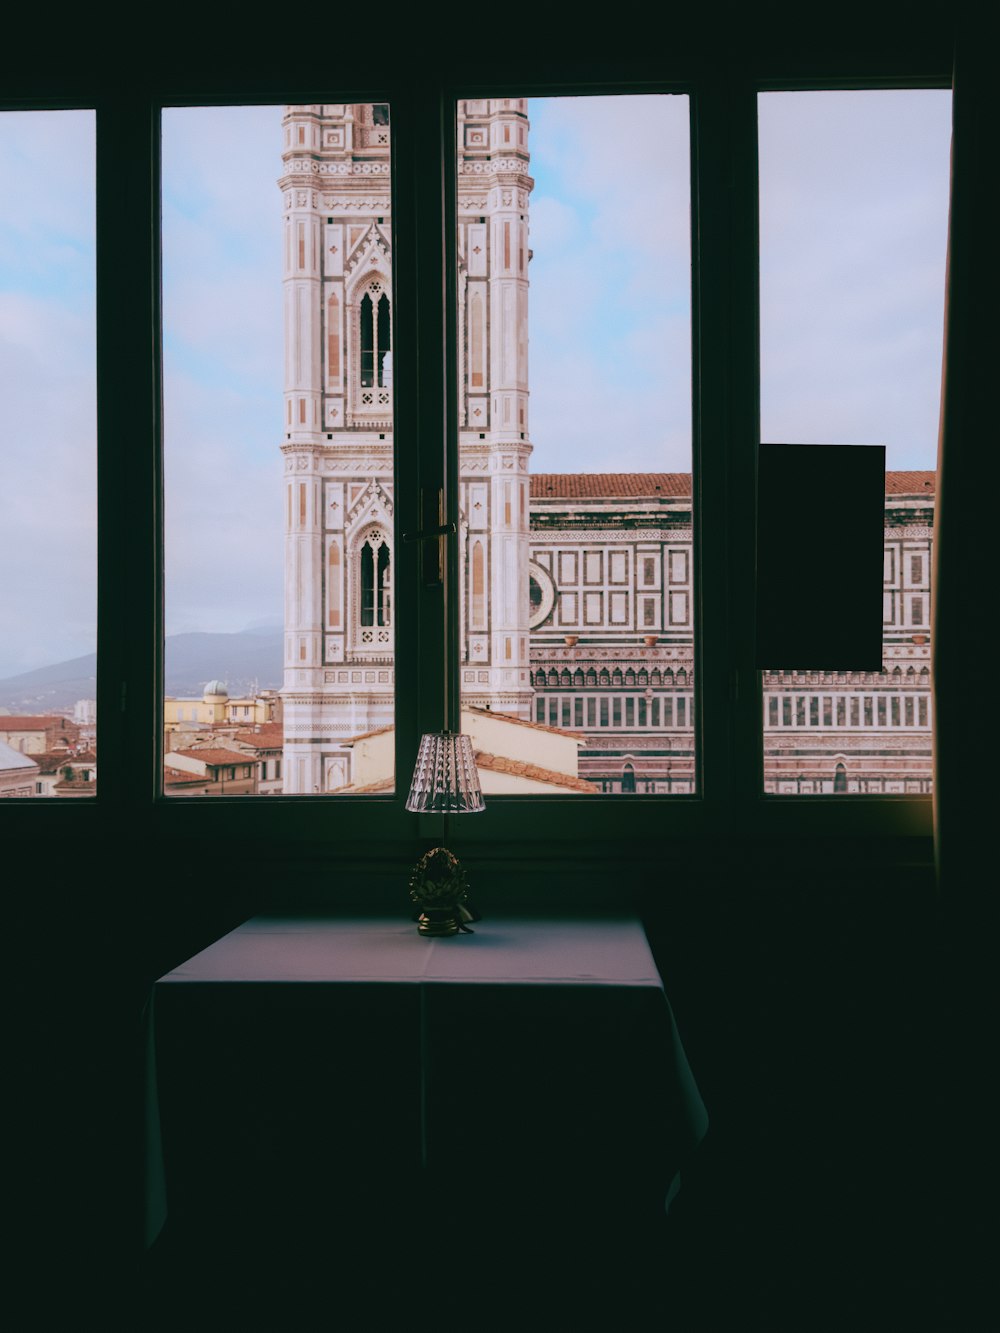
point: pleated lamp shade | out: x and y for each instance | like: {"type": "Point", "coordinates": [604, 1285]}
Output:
{"type": "Point", "coordinates": [445, 776]}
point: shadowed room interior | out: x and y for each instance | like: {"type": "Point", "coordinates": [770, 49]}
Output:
{"type": "Point", "coordinates": [825, 977]}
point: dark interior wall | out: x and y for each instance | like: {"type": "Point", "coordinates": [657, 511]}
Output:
{"type": "Point", "coordinates": [809, 1000]}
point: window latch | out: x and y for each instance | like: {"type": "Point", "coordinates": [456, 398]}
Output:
{"type": "Point", "coordinates": [425, 534]}
{"type": "Point", "coordinates": [433, 570]}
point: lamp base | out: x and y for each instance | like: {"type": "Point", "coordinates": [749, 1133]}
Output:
{"type": "Point", "coordinates": [437, 923]}
{"type": "Point", "coordinates": [438, 893]}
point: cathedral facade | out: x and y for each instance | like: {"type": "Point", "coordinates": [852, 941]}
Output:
{"type": "Point", "coordinates": [576, 589]}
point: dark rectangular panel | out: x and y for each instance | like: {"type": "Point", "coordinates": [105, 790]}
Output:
{"type": "Point", "coordinates": [820, 526]}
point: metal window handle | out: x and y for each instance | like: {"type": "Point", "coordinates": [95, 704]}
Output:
{"type": "Point", "coordinates": [425, 534]}
{"type": "Point", "coordinates": [433, 570]}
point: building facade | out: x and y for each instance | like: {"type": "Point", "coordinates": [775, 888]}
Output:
{"type": "Point", "coordinates": [612, 645]}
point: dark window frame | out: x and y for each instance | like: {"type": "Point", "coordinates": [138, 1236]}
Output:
{"type": "Point", "coordinates": [728, 707]}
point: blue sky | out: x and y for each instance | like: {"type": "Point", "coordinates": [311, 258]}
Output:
{"type": "Point", "coordinates": [853, 227]}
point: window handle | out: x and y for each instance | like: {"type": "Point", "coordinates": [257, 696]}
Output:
{"type": "Point", "coordinates": [425, 534]}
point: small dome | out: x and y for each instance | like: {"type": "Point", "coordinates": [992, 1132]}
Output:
{"type": "Point", "coordinates": [215, 689]}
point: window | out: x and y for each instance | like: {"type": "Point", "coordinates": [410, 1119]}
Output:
{"type": "Point", "coordinates": [48, 503]}
{"type": "Point", "coordinates": [548, 265]}
{"type": "Point", "coordinates": [366, 343]}
{"type": "Point", "coordinates": [853, 208]}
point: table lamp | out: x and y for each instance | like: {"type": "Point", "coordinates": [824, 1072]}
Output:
{"type": "Point", "coordinates": [445, 782]}
{"type": "Point", "coordinates": [445, 776]}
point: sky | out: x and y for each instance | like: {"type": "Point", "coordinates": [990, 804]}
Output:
{"type": "Point", "coordinates": [853, 232]}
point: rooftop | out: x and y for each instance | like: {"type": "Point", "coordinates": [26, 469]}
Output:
{"type": "Point", "coordinates": [910, 483]}
{"type": "Point", "coordinates": [523, 722]}
{"type": "Point", "coordinates": [175, 777]}
{"type": "Point", "coordinates": [217, 758]}
{"type": "Point", "coordinates": [607, 485]}
{"type": "Point", "coordinates": [268, 736]}
{"type": "Point", "coordinates": [646, 485]}
{"type": "Point", "coordinates": [33, 722]}
{"type": "Point", "coordinates": [11, 758]}
{"type": "Point", "coordinates": [518, 768]}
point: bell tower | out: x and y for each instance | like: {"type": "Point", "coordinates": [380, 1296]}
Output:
{"type": "Point", "coordinates": [339, 675]}
{"type": "Point", "coordinates": [494, 448]}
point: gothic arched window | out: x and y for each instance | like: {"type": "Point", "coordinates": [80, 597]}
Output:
{"type": "Point", "coordinates": [367, 585]}
{"type": "Point", "coordinates": [628, 778]}
{"type": "Point", "coordinates": [376, 582]}
{"type": "Point", "coordinates": [840, 778]}
{"type": "Point", "coordinates": [376, 337]}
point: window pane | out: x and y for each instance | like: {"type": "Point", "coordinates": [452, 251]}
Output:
{"type": "Point", "coordinates": [853, 233]}
{"type": "Point", "coordinates": [48, 425]}
{"type": "Point", "coordinates": [575, 460]}
{"type": "Point", "coordinates": [279, 454]}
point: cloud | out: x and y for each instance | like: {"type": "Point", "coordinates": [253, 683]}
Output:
{"type": "Point", "coordinates": [610, 284]}
{"type": "Point", "coordinates": [223, 336]}
{"type": "Point", "coordinates": [854, 197]}
{"type": "Point", "coordinates": [222, 247]}
{"type": "Point", "coordinates": [48, 507]}
{"type": "Point", "coordinates": [223, 535]}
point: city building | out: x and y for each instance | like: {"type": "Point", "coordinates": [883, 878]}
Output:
{"type": "Point", "coordinates": [210, 770]}
{"type": "Point", "coordinates": [501, 744]}
{"type": "Point", "coordinates": [215, 708]}
{"type": "Point", "coordinates": [65, 773]}
{"type": "Point", "coordinates": [18, 772]}
{"type": "Point", "coordinates": [85, 712]}
{"type": "Point", "coordinates": [266, 744]}
{"type": "Point", "coordinates": [30, 734]}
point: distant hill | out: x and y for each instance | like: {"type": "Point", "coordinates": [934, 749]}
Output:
{"type": "Point", "coordinates": [248, 660]}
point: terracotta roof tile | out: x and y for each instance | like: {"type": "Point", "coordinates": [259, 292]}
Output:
{"type": "Point", "coordinates": [217, 758]}
{"type": "Point", "coordinates": [176, 776]}
{"type": "Point", "coordinates": [910, 483]}
{"type": "Point", "coordinates": [49, 760]}
{"type": "Point", "coordinates": [608, 485]}
{"type": "Point", "coordinates": [498, 764]}
{"type": "Point", "coordinates": [33, 722]}
{"type": "Point", "coordinates": [648, 485]}
{"type": "Point", "coordinates": [269, 736]}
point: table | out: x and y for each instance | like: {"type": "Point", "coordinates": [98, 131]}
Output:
{"type": "Point", "coordinates": [301, 1059]}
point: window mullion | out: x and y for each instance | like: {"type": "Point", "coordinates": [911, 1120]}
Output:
{"type": "Point", "coordinates": [129, 650]}
{"type": "Point", "coordinates": [419, 379]}
{"type": "Point", "coordinates": [726, 361]}
{"type": "Point", "coordinates": [449, 148]}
